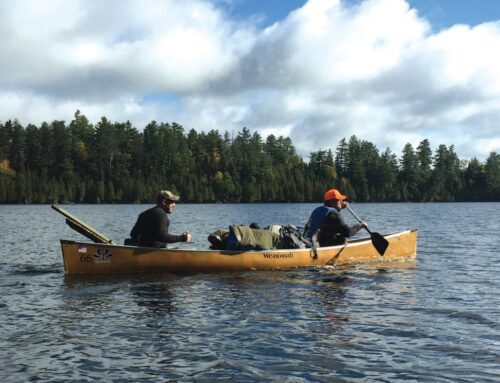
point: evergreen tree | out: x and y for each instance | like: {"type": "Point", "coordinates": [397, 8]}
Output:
{"type": "Point", "coordinates": [62, 167]}
{"type": "Point", "coordinates": [409, 175]}
{"type": "Point", "coordinates": [341, 159]}
{"type": "Point", "coordinates": [4, 142]}
{"type": "Point", "coordinates": [356, 163]}
{"type": "Point", "coordinates": [447, 179]}
{"type": "Point", "coordinates": [82, 133]}
{"type": "Point", "coordinates": [47, 156]}
{"type": "Point", "coordinates": [424, 156]}
{"type": "Point", "coordinates": [33, 148]}
{"type": "Point", "coordinates": [492, 177]}
{"type": "Point", "coordinates": [388, 174]}
{"type": "Point", "coordinates": [17, 153]}
{"type": "Point", "coordinates": [475, 181]}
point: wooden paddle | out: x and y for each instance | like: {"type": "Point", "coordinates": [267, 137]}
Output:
{"type": "Point", "coordinates": [82, 227]}
{"type": "Point", "coordinates": [379, 242]}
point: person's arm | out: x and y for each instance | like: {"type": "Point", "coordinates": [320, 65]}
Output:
{"type": "Point", "coordinates": [163, 235]}
{"type": "Point", "coordinates": [334, 223]}
{"type": "Point", "coordinates": [349, 231]}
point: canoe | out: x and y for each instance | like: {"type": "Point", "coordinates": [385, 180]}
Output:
{"type": "Point", "coordinates": [102, 258]}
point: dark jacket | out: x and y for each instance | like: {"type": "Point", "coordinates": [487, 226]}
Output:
{"type": "Point", "coordinates": [315, 220]}
{"type": "Point", "coordinates": [334, 230]}
{"type": "Point", "coordinates": [151, 229]}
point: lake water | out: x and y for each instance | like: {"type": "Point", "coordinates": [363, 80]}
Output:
{"type": "Point", "coordinates": [436, 321]}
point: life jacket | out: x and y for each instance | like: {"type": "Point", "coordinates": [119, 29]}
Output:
{"type": "Point", "coordinates": [317, 216]}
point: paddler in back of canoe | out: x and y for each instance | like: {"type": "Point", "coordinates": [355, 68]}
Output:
{"type": "Point", "coordinates": [326, 226]}
{"type": "Point", "coordinates": [151, 228]}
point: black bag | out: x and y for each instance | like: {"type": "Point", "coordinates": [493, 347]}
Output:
{"type": "Point", "coordinates": [292, 238]}
{"type": "Point", "coordinates": [218, 239]}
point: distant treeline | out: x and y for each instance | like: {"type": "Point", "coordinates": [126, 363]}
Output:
{"type": "Point", "coordinates": [113, 162]}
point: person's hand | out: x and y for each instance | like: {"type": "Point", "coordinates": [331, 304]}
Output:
{"type": "Point", "coordinates": [343, 204]}
{"type": "Point", "coordinates": [363, 224]}
{"type": "Point", "coordinates": [187, 236]}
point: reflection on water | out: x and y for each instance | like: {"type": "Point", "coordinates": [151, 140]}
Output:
{"type": "Point", "coordinates": [157, 298]}
{"type": "Point", "coordinates": [435, 320]}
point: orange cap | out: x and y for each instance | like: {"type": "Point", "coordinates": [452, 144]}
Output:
{"type": "Point", "coordinates": [334, 194]}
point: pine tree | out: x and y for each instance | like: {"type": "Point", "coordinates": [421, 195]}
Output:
{"type": "Point", "coordinates": [424, 156]}
{"type": "Point", "coordinates": [408, 176]}
{"type": "Point", "coordinates": [492, 175]}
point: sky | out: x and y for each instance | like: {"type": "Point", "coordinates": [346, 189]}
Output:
{"type": "Point", "coordinates": [390, 72]}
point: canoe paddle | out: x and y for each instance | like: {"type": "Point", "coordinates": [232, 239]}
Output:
{"type": "Point", "coordinates": [379, 242]}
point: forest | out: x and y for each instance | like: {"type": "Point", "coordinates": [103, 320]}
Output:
{"type": "Point", "coordinates": [114, 162]}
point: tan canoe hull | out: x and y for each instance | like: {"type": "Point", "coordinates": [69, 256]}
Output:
{"type": "Point", "coordinates": [96, 258]}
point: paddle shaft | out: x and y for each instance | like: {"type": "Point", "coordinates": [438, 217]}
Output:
{"type": "Point", "coordinates": [379, 242]}
{"type": "Point", "coordinates": [355, 216]}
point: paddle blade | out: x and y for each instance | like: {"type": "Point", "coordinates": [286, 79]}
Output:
{"type": "Point", "coordinates": [379, 242]}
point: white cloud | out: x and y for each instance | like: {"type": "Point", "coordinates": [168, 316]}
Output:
{"type": "Point", "coordinates": [327, 71]}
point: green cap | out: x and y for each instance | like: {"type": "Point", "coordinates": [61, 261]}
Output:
{"type": "Point", "coordinates": [168, 195]}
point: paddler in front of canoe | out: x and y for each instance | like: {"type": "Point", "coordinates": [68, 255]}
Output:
{"type": "Point", "coordinates": [151, 228]}
{"type": "Point", "coordinates": [326, 226]}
